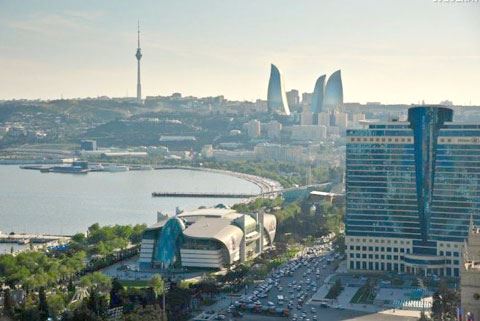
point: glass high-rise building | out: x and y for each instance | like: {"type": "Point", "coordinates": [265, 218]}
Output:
{"type": "Point", "coordinates": [411, 189]}
{"type": "Point", "coordinates": [334, 90]}
{"type": "Point", "coordinates": [318, 95]}
{"type": "Point", "coordinates": [276, 96]}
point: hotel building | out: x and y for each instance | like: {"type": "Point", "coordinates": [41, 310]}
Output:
{"type": "Point", "coordinates": [411, 188]}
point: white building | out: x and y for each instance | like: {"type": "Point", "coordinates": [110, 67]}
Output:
{"type": "Point", "coordinates": [206, 238]}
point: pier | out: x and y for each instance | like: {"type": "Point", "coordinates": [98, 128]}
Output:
{"type": "Point", "coordinates": [34, 241]}
{"type": "Point", "coordinates": [204, 195]}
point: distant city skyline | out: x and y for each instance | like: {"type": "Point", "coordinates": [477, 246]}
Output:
{"type": "Point", "coordinates": [389, 51]}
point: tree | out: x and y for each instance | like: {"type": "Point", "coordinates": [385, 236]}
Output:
{"type": "Point", "coordinates": [147, 313]}
{"type": "Point", "coordinates": [98, 281]}
{"type": "Point", "coordinates": [423, 317]}
{"type": "Point", "coordinates": [116, 294]}
{"type": "Point", "coordinates": [97, 303]}
{"type": "Point", "coordinates": [178, 302]}
{"type": "Point", "coordinates": [158, 286]}
{"type": "Point", "coordinates": [42, 304]}
{"type": "Point", "coordinates": [445, 302]}
{"type": "Point", "coordinates": [56, 304]}
{"type": "Point", "coordinates": [7, 303]}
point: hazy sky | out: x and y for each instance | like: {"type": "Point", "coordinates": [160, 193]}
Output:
{"type": "Point", "coordinates": [388, 50]}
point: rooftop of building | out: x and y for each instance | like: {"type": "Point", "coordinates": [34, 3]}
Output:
{"type": "Point", "coordinates": [215, 228]}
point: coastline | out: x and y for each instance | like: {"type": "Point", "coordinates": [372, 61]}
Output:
{"type": "Point", "coordinates": [266, 185]}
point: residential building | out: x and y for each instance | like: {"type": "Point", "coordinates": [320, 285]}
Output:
{"type": "Point", "coordinates": [293, 98]}
{"type": "Point", "coordinates": [207, 151]}
{"type": "Point", "coordinates": [273, 129]}
{"type": "Point", "coordinates": [306, 118]}
{"type": "Point", "coordinates": [253, 128]}
{"type": "Point", "coordinates": [341, 120]}
{"type": "Point", "coordinates": [88, 145]}
{"type": "Point", "coordinates": [233, 155]}
{"type": "Point", "coordinates": [307, 99]}
{"type": "Point", "coordinates": [282, 153]}
{"type": "Point", "coordinates": [308, 133]}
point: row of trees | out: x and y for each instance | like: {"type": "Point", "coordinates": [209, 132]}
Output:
{"type": "Point", "coordinates": [297, 220]}
{"type": "Point", "coordinates": [33, 270]}
{"type": "Point", "coordinates": [103, 240]}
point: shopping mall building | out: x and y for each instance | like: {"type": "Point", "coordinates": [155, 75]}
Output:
{"type": "Point", "coordinates": [206, 238]}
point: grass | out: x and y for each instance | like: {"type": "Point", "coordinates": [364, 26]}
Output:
{"type": "Point", "coordinates": [135, 283]}
{"type": "Point", "coordinates": [334, 291]}
{"type": "Point", "coordinates": [364, 295]}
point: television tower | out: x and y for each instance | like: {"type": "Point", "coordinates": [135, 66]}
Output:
{"type": "Point", "coordinates": [138, 55]}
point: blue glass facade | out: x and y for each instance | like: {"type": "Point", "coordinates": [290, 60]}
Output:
{"type": "Point", "coordinates": [168, 243]}
{"type": "Point", "coordinates": [276, 96]}
{"type": "Point", "coordinates": [334, 90]}
{"type": "Point", "coordinates": [318, 95]}
{"type": "Point", "coordinates": [417, 181]}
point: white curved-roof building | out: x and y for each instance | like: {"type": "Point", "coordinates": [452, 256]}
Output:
{"type": "Point", "coordinates": [208, 237]}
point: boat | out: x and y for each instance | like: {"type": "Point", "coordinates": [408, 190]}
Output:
{"type": "Point", "coordinates": [141, 168]}
{"type": "Point", "coordinates": [96, 167]}
{"type": "Point", "coordinates": [77, 167]}
{"type": "Point", "coordinates": [67, 170]}
{"type": "Point", "coordinates": [115, 168]}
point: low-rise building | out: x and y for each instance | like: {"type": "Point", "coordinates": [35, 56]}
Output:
{"type": "Point", "coordinates": [206, 238]}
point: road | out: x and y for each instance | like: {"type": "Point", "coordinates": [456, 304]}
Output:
{"type": "Point", "coordinates": [308, 274]}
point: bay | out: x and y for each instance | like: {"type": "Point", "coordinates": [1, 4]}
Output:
{"type": "Point", "coordinates": [34, 202]}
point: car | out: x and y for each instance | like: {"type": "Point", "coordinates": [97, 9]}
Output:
{"type": "Point", "coordinates": [220, 317]}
